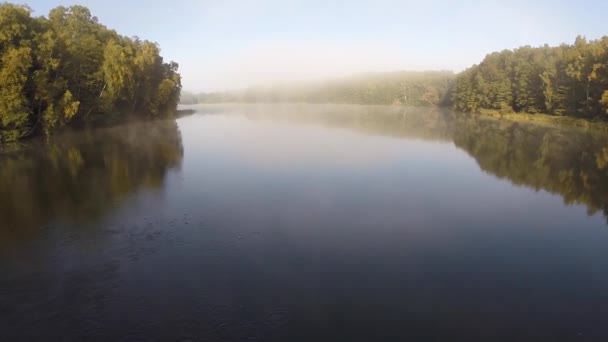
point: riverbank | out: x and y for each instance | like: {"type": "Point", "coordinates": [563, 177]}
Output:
{"type": "Point", "coordinates": [108, 121]}
{"type": "Point", "coordinates": [546, 119]}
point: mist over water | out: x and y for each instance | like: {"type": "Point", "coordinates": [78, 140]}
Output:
{"type": "Point", "coordinates": [280, 170]}
{"type": "Point", "coordinates": [306, 222]}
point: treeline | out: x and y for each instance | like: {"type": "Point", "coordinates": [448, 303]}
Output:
{"type": "Point", "coordinates": [68, 69]}
{"type": "Point", "coordinates": [430, 88]}
{"type": "Point", "coordinates": [565, 80]}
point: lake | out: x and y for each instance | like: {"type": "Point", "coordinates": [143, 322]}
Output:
{"type": "Point", "coordinates": [307, 223]}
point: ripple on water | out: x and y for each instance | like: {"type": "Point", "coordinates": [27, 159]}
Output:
{"type": "Point", "coordinates": [231, 323]}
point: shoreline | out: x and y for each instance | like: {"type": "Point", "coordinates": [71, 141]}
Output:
{"type": "Point", "coordinates": [566, 121]}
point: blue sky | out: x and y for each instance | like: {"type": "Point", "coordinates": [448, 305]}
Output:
{"type": "Point", "coordinates": [223, 44]}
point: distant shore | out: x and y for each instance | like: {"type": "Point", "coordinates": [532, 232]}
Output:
{"type": "Point", "coordinates": [538, 118]}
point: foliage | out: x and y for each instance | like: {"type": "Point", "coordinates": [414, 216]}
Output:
{"type": "Point", "coordinates": [564, 80]}
{"type": "Point", "coordinates": [68, 69]}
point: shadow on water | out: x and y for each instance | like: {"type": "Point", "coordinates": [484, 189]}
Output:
{"type": "Point", "coordinates": [77, 177]}
{"type": "Point", "coordinates": [58, 278]}
{"type": "Point", "coordinates": [569, 162]}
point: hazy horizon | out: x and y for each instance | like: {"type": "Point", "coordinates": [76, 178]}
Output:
{"type": "Point", "coordinates": [231, 45]}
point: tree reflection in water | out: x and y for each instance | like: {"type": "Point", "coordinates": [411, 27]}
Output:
{"type": "Point", "coordinates": [78, 176]}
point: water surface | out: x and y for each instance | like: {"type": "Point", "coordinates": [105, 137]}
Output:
{"type": "Point", "coordinates": [304, 223]}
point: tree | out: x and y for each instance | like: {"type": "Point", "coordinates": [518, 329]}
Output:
{"type": "Point", "coordinates": [14, 105]}
{"type": "Point", "coordinates": [70, 69]}
{"type": "Point", "coordinates": [604, 102]}
{"type": "Point", "coordinates": [562, 80]}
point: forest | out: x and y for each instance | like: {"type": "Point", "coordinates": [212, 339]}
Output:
{"type": "Point", "coordinates": [428, 88]}
{"type": "Point", "coordinates": [67, 69]}
{"type": "Point", "coordinates": [567, 80]}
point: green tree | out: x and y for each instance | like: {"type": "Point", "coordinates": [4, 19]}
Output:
{"type": "Point", "coordinates": [563, 80]}
{"type": "Point", "coordinates": [14, 105]}
{"type": "Point", "coordinates": [68, 69]}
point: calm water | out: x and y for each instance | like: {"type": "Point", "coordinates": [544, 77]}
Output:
{"type": "Point", "coordinates": [307, 223]}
